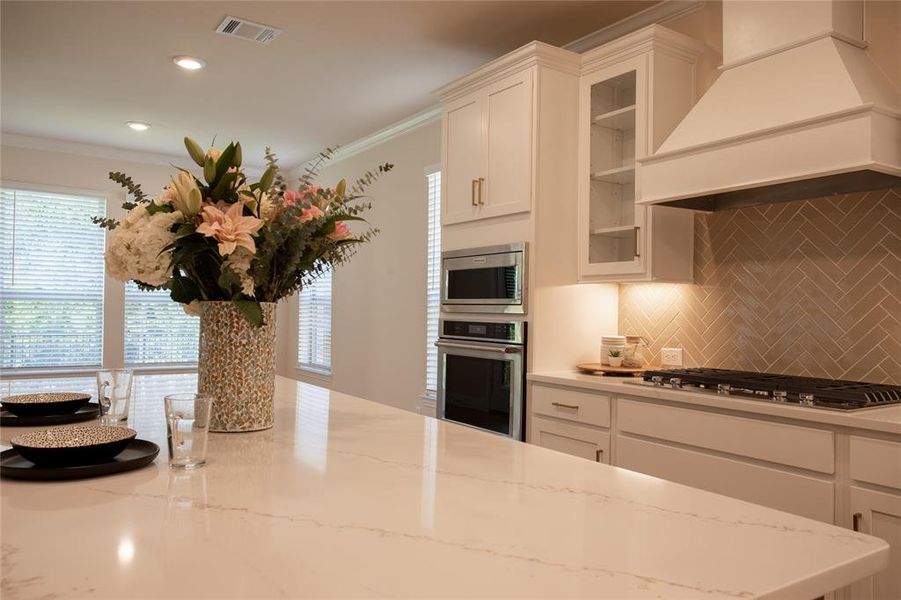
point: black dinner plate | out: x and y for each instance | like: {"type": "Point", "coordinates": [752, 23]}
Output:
{"type": "Point", "coordinates": [139, 453]}
{"type": "Point", "coordinates": [85, 413]}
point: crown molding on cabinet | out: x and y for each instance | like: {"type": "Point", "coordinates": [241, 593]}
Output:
{"type": "Point", "coordinates": [659, 13]}
{"type": "Point", "coordinates": [653, 37]}
{"type": "Point", "coordinates": [533, 53]}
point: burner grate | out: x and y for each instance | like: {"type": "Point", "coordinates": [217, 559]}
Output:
{"type": "Point", "coordinates": [812, 391]}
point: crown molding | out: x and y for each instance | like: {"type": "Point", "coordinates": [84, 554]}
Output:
{"type": "Point", "coordinates": [15, 140]}
{"type": "Point", "coordinates": [532, 54]}
{"type": "Point", "coordinates": [377, 138]}
{"type": "Point", "coordinates": [653, 37]}
{"type": "Point", "coordinates": [666, 11]}
{"type": "Point", "coordinates": [95, 151]}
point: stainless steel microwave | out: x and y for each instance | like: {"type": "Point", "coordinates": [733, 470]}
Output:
{"type": "Point", "coordinates": [485, 280]}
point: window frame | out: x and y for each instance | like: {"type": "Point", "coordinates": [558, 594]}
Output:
{"type": "Point", "coordinates": [429, 395]}
{"type": "Point", "coordinates": [108, 339]}
{"type": "Point", "coordinates": [113, 338]}
{"type": "Point", "coordinates": [312, 372]}
{"type": "Point", "coordinates": [172, 366]}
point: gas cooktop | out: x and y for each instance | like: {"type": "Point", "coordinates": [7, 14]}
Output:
{"type": "Point", "coordinates": [802, 391]}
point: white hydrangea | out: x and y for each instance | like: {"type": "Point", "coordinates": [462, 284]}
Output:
{"type": "Point", "coordinates": [238, 262]}
{"type": "Point", "coordinates": [133, 252]}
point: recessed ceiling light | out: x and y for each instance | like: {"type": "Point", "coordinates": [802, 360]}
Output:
{"type": "Point", "coordinates": [189, 63]}
{"type": "Point", "coordinates": [138, 126]}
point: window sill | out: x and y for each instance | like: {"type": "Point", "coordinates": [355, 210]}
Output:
{"type": "Point", "coordinates": [428, 404]}
{"type": "Point", "coordinates": [316, 377]}
{"type": "Point", "coordinates": [49, 372]}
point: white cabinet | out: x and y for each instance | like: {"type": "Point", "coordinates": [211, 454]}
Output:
{"type": "Point", "coordinates": [570, 421]}
{"type": "Point", "coordinates": [462, 165]}
{"type": "Point", "coordinates": [571, 438]}
{"type": "Point", "coordinates": [507, 180]}
{"type": "Point", "coordinates": [803, 495]}
{"type": "Point", "coordinates": [633, 92]}
{"type": "Point", "coordinates": [487, 150]}
{"type": "Point", "coordinates": [879, 513]}
{"type": "Point", "coordinates": [570, 405]}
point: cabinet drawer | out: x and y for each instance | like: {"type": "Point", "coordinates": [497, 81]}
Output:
{"type": "Point", "coordinates": [591, 409]}
{"type": "Point", "coordinates": [801, 447]}
{"type": "Point", "coordinates": [798, 494]}
{"type": "Point", "coordinates": [876, 461]}
{"type": "Point", "coordinates": [570, 438]}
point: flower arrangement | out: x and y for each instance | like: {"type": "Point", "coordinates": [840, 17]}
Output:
{"type": "Point", "coordinates": [221, 237]}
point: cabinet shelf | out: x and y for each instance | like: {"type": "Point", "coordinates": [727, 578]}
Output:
{"type": "Point", "coordinates": [619, 229]}
{"type": "Point", "coordinates": [619, 175]}
{"type": "Point", "coordinates": [620, 119]}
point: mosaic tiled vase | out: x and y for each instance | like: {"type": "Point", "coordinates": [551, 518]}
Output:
{"type": "Point", "coordinates": [237, 367]}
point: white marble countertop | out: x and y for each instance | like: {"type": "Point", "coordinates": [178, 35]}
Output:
{"type": "Point", "coordinates": [346, 497]}
{"type": "Point", "coordinates": [887, 419]}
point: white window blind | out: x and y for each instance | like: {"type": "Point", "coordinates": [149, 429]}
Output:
{"type": "Point", "coordinates": [433, 283]}
{"type": "Point", "coordinates": [314, 331]}
{"type": "Point", "coordinates": [157, 330]}
{"type": "Point", "coordinates": [51, 280]}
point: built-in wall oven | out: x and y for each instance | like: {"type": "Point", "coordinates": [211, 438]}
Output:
{"type": "Point", "coordinates": [485, 280]}
{"type": "Point", "coordinates": [481, 372]}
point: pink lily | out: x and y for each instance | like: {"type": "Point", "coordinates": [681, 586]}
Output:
{"type": "Point", "coordinates": [231, 229]}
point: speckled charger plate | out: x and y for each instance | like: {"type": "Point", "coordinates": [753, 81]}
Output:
{"type": "Point", "coordinates": [45, 403]}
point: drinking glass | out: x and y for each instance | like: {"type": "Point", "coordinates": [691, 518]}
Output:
{"type": "Point", "coordinates": [113, 395]}
{"type": "Point", "coordinates": [187, 424]}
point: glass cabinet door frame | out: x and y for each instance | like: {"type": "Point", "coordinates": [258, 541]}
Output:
{"type": "Point", "coordinates": [639, 64]}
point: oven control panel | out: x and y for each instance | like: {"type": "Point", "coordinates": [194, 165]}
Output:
{"type": "Point", "coordinates": [500, 331]}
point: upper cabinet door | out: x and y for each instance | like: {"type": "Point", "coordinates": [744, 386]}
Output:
{"type": "Point", "coordinates": [462, 151]}
{"type": "Point", "coordinates": [507, 175]}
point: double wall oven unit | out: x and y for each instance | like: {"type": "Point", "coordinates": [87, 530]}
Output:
{"type": "Point", "coordinates": [481, 358]}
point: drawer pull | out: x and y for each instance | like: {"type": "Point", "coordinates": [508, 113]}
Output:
{"type": "Point", "coordinates": [472, 192]}
{"type": "Point", "coordinates": [855, 521]}
{"type": "Point", "coordinates": [598, 454]}
{"type": "Point", "coordinates": [481, 181]}
{"type": "Point", "coordinates": [569, 406]}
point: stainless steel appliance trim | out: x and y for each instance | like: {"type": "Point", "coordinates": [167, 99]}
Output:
{"type": "Point", "coordinates": [501, 348]}
{"type": "Point", "coordinates": [518, 333]}
{"type": "Point", "coordinates": [489, 350]}
{"type": "Point", "coordinates": [514, 254]}
{"type": "Point", "coordinates": [497, 249]}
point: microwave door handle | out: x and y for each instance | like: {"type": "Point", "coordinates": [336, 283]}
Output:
{"type": "Point", "coordinates": [462, 346]}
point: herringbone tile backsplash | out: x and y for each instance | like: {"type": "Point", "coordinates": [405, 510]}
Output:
{"type": "Point", "coordinates": [806, 288]}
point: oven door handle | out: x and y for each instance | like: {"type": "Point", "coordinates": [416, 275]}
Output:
{"type": "Point", "coordinates": [485, 348]}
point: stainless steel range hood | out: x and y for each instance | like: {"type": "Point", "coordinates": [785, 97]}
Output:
{"type": "Point", "coordinates": [799, 111]}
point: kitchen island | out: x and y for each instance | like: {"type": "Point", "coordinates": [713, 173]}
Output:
{"type": "Point", "coordinates": [346, 497]}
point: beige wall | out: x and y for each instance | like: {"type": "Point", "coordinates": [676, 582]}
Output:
{"type": "Point", "coordinates": [379, 310]}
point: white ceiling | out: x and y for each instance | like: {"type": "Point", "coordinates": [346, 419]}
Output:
{"type": "Point", "coordinates": [76, 71]}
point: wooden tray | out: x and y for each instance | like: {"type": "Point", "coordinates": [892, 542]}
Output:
{"type": "Point", "coordinates": [599, 369]}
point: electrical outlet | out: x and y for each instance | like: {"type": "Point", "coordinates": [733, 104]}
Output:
{"type": "Point", "coordinates": [671, 357]}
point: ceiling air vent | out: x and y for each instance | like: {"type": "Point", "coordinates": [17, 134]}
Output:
{"type": "Point", "coordinates": [247, 30]}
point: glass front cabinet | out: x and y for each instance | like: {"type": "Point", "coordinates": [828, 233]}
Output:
{"type": "Point", "coordinates": [632, 94]}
